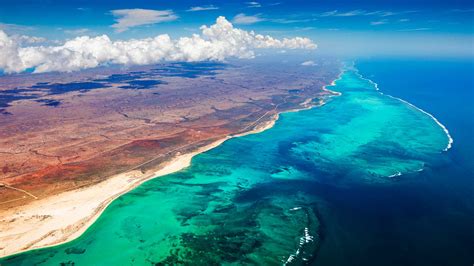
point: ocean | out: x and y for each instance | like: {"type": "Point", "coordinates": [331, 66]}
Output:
{"type": "Point", "coordinates": [364, 179]}
{"type": "Point", "coordinates": [427, 219]}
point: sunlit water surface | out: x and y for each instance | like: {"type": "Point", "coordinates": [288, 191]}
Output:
{"type": "Point", "coordinates": [322, 186]}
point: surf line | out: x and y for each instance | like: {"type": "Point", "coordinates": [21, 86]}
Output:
{"type": "Point", "coordinates": [376, 86]}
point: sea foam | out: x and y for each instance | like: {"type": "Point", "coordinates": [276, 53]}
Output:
{"type": "Point", "coordinates": [376, 86]}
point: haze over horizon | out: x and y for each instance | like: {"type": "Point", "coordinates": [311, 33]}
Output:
{"type": "Point", "coordinates": [253, 132]}
{"type": "Point", "coordinates": [342, 28]}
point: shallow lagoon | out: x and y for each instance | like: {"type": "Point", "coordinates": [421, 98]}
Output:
{"type": "Point", "coordinates": [257, 199]}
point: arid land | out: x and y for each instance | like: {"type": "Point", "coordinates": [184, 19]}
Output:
{"type": "Point", "coordinates": [71, 143]}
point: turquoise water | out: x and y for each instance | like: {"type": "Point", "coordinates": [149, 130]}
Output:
{"type": "Point", "coordinates": [256, 199]}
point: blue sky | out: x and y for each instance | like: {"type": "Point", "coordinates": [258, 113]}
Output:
{"type": "Point", "coordinates": [338, 26]}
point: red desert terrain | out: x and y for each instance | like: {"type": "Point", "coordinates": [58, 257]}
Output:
{"type": "Point", "coordinates": [60, 132]}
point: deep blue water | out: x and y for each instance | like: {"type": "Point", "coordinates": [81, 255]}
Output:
{"type": "Point", "coordinates": [443, 88]}
{"type": "Point", "coordinates": [425, 219]}
{"type": "Point", "coordinates": [324, 172]}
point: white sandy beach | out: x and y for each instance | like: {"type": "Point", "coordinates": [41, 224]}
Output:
{"type": "Point", "coordinates": [64, 217]}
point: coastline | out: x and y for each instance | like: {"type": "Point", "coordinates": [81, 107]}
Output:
{"type": "Point", "coordinates": [64, 217]}
{"type": "Point", "coordinates": [72, 213]}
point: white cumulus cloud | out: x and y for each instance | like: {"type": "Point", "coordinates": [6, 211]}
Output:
{"type": "Point", "coordinates": [25, 39]}
{"type": "Point", "coordinates": [127, 18]}
{"type": "Point", "coordinates": [216, 42]}
{"type": "Point", "coordinates": [10, 60]}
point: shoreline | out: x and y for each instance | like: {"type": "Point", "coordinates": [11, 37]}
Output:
{"type": "Point", "coordinates": [64, 217]}
{"type": "Point", "coordinates": [69, 207]}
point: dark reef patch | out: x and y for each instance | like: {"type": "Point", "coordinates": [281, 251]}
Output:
{"type": "Point", "coordinates": [74, 250]}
